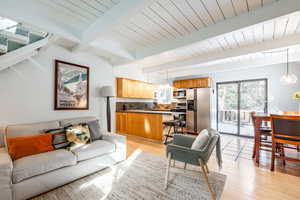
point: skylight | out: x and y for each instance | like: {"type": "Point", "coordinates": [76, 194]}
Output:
{"type": "Point", "coordinates": [6, 23]}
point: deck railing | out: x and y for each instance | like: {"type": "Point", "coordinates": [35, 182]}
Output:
{"type": "Point", "coordinates": [231, 116]}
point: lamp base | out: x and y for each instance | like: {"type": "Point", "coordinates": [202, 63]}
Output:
{"type": "Point", "coordinates": [108, 115]}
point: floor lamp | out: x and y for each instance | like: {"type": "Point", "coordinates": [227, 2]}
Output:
{"type": "Point", "coordinates": [107, 91]}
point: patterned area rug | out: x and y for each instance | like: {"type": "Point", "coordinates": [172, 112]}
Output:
{"type": "Point", "coordinates": [140, 177]}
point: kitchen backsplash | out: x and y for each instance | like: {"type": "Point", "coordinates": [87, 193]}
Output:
{"type": "Point", "coordinates": [121, 106]}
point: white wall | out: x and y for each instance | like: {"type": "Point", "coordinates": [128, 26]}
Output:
{"type": "Point", "coordinates": [131, 71]}
{"type": "Point", "coordinates": [27, 89]}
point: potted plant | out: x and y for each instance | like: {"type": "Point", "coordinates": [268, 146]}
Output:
{"type": "Point", "coordinates": [296, 95]}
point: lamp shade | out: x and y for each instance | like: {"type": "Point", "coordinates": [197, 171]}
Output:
{"type": "Point", "coordinates": [107, 91]}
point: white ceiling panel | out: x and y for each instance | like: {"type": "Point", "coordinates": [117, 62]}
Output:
{"type": "Point", "coordinates": [253, 4]}
{"type": "Point", "coordinates": [292, 26]}
{"type": "Point", "coordinates": [157, 18]}
{"type": "Point", "coordinates": [189, 13]}
{"type": "Point", "coordinates": [240, 6]}
{"type": "Point", "coordinates": [213, 9]}
{"type": "Point", "coordinates": [280, 28]}
{"type": "Point", "coordinates": [258, 32]}
{"type": "Point", "coordinates": [227, 8]}
{"type": "Point", "coordinates": [269, 30]}
{"type": "Point", "coordinates": [201, 11]}
{"type": "Point", "coordinates": [176, 12]}
{"type": "Point", "coordinates": [163, 12]}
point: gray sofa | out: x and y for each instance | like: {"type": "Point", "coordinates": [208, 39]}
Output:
{"type": "Point", "coordinates": [32, 175]}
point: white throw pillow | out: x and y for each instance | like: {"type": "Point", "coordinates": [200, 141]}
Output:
{"type": "Point", "coordinates": [200, 140]}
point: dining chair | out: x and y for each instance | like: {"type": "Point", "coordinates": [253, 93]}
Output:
{"type": "Point", "coordinates": [285, 131]}
{"type": "Point", "coordinates": [261, 134]}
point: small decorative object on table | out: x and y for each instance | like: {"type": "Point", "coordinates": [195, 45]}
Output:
{"type": "Point", "coordinates": [296, 95]}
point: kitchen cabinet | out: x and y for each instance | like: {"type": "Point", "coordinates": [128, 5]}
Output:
{"type": "Point", "coordinates": [192, 83]}
{"type": "Point", "coordinates": [144, 125]}
{"type": "Point", "coordinates": [128, 88]}
{"type": "Point", "coordinates": [121, 125]}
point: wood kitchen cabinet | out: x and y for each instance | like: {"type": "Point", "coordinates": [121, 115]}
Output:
{"type": "Point", "coordinates": [128, 88]}
{"type": "Point", "coordinates": [121, 122]}
{"type": "Point", "coordinates": [192, 83]}
{"type": "Point", "coordinates": [144, 125]}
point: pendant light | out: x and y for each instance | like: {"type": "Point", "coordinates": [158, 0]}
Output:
{"type": "Point", "coordinates": [288, 78]}
{"type": "Point", "coordinates": [167, 80]}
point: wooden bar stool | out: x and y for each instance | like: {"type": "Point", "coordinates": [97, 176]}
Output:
{"type": "Point", "coordinates": [176, 125]}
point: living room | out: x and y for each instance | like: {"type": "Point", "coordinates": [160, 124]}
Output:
{"type": "Point", "coordinates": [149, 99]}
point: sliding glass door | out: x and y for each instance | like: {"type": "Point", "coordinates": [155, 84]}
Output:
{"type": "Point", "coordinates": [235, 101]}
{"type": "Point", "coordinates": [227, 107]}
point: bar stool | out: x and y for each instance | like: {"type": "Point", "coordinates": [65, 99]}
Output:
{"type": "Point", "coordinates": [176, 125]}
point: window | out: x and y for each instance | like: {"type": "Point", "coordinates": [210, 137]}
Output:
{"type": "Point", "coordinates": [164, 94]}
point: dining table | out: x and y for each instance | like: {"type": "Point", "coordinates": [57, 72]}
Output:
{"type": "Point", "coordinates": [263, 128]}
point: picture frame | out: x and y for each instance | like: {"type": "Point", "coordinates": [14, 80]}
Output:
{"type": "Point", "coordinates": [71, 88]}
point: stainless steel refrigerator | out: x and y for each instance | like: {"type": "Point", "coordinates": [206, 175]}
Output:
{"type": "Point", "coordinates": [198, 109]}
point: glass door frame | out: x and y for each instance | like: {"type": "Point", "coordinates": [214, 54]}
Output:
{"type": "Point", "coordinates": [239, 102]}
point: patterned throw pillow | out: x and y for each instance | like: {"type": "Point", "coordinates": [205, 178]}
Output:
{"type": "Point", "coordinates": [78, 136]}
{"type": "Point", "coordinates": [59, 139]}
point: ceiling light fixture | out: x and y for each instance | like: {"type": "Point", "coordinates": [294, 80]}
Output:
{"type": "Point", "coordinates": [288, 78]}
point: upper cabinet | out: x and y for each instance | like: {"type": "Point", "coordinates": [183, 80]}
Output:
{"type": "Point", "coordinates": [128, 88]}
{"type": "Point", "coordinates": [192, 83]}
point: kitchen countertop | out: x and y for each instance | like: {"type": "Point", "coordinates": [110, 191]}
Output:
{"type": "Point", "coordinates": [148, 111]}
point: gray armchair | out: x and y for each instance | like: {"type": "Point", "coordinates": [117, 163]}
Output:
{"type": "Point", "coordinates": [180, 150]}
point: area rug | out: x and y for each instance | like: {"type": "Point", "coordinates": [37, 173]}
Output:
{"type": "Point", "coordinates": [140, 177]}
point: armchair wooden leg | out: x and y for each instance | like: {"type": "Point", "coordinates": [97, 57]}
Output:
{"type": "Point", "coordinates": [206, 167]}
{"type": "Point", "coordinates": [184, 165]}
{"type": "Point", "coordinates": [167, 171]}
{"type": "Point", "coordinates": [206, 179]}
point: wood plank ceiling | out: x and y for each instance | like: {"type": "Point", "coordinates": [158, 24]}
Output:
{"type": "Point", "coordinates": [81, 12]}
{"type": "Point", "coordinates": [271, 30]}
{"type": "Point", "coordinates": [170, 19]}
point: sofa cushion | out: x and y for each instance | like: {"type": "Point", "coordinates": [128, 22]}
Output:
{"type": "Point", "coordinates": [30, 129]}
{"type": "Point", "coordinates": [19, 147]}
{"type": "Point", "coordinates": [34, 165]}
{"type": "Point", "coordinates": [94, 149]}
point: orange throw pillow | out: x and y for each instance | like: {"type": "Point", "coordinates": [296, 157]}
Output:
{"type": "Point", "coordinates": [19, 147]}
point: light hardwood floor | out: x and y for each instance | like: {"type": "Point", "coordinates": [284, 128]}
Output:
{"type": "Point", "coordinates": [245, 181]}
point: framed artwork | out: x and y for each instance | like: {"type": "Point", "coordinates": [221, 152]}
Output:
{"type": "Point", "coordinates": [71, 86]}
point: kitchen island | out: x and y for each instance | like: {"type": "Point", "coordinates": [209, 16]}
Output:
{"type": "Point", "coordinates": [143, 123]}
